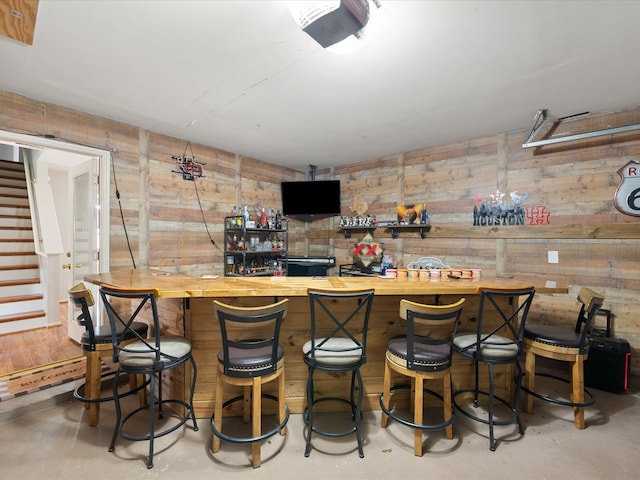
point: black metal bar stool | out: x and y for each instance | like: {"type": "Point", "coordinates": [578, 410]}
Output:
{"type": "Point", "coordinates": [97, 343]}
{"type": "Point", "coordinates": [423, 354]}
{"type": "Point", "coordinates": [569, 345]}
{"type": "Point", "coordinates": [249, 362]}
{"type": "Point", "coordinates": [150, 357]}
{"type": "Point", "coordinates": [492, 344]}
{"type": "Point", "coordinates": [339, 325]}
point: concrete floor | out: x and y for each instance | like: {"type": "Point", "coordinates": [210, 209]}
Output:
{"type": "Point", "coordinates": [44, 435]}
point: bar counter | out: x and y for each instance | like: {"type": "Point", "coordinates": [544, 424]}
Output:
{"type": "Point", "coordinates": [186, 308]}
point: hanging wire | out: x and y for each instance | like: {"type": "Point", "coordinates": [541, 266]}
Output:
{"type": "Point", "coordinates": [202, 211]}
{"type": "Point", "coordinates": [124, 225]}
{"type": "Point", "coordinates": [195, 186]}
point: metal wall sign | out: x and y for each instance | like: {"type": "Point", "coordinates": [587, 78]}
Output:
{"type": "Point", "coordinates": [627, 196]}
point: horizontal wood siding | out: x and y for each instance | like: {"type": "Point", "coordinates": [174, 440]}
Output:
{"type": "Point", "coordinates": [574, 182]}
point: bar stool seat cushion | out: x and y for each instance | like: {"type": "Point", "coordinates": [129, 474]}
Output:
{"type": "Point", "coordinates": [171, 348]}
{"type": "Point", "coordinates": [554, 335]}
{"type": "Point", "coordinates": [431, 357]}
{"type": "Point", "coordinates": [499, 348]}
{"type": "Point", "coordinates": [337, 351]}
{"type": "Point", "coordinates": [250, 362]}
{"type": "Point", "coordinates": [102, 334]}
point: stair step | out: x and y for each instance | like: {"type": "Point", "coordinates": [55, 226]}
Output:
{"type": "Point", "coordinates": [19, 290]}
{"type": "Point", "coordinates": [21, 316]}
{"type": "Point", "coordinates": [24, 281]}
{"type": "Point", "coordinates": [10, 166]}
{"type": "Point", "coordinates": [15, 195]}
{"type": "Point", "coordinates": [17, 253]}
{"type": "Point", "coordinates": [19, 217]}
{"type": "Point", "coordinates": [6, 181]}
{"type": "Point", "coordinates": [8, 227]}
{"type": "Point", "coordinates": [14, 175]}
{"type": "Point", "coordinates": [21, 298]}
{"type": "Point", "coordinates": [19, 267]}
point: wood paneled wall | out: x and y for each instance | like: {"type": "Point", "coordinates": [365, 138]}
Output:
{"type": "Point", "coordinates": [575, 182]}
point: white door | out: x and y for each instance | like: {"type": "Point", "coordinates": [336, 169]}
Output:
{"type": "Point", "coordinates": [84, 256]}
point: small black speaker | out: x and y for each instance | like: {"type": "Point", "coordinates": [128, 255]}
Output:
{"type": "Point", "coordinates": [607, 366]}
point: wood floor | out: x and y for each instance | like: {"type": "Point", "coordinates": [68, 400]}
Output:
{"type": "Point", "coordinates": [36, 348]}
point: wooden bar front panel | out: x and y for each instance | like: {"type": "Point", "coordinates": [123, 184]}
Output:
{"type": "Point", "coordinates": [384, 324]}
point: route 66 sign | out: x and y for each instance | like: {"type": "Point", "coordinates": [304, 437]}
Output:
{"type": "Point", "coordinates": [627, 196]}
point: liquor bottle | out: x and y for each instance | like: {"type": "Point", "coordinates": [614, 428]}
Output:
{"type": "Point", "coordinates": [278, 220]}
{"type": "Point", "coordinates": [246, 214]}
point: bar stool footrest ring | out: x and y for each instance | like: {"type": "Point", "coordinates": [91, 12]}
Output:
{"type": "Point", "coordinates": [567, 403]}
{"type": "Point", "coordinates": [466, 413]}
{"type": "Point", "coordinates": [264, 436]}
{"type": "Point", "coordinates": [182, 420]}
{"type": "Point", "coordinates": [78, 393]}
{"type": "Point", "coordinates": [354, 429]}
{"type": "Point", "coordinates": [437, 426]}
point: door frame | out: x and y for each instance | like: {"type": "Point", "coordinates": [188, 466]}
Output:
{"type": "Point", "coordinates": [50, 279]}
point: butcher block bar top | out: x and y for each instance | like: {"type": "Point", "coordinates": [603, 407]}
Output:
{"type": "Point", "coordinates": [186, 308]}
{"type": "Point", "coordinates": [177, 285]}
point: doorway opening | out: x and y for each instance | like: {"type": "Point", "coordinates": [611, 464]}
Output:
{"type": "Point", "coordinates": [79, 179]}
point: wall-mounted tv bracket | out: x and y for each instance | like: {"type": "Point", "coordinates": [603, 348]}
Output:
{"type": "Point", "coordinates": [542, 117]}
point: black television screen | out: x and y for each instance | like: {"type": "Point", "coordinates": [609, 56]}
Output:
{"type": "Point", "coordinates": [309, 200]}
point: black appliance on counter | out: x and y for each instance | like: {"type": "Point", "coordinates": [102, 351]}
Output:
{"type": "Point", "coordinates": [309, 266]}
{"type": "Point", "coordinates": [358, 270]}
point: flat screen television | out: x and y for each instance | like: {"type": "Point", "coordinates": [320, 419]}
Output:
{"type": "Point", "coordinates": [310, 200]}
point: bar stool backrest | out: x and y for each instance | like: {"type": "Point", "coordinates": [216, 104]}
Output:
{"type": "Point", "coordinates": [250, 337]}
{"type": "Point", "coordinates": [591, 302]}
{"type": "Point", "coordinates": [509, 322]}
{"type": "Point", "coordinates": [430, 325]}
{"type": "Point", "coordinates": [123, 319]}
{"type": "Point", "coordinates": [82, 297]}
{"type": "Point", "coordinates": [339, 326]}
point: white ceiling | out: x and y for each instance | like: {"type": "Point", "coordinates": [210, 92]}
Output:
{"type": "Point", "coordinates": [243, 77]}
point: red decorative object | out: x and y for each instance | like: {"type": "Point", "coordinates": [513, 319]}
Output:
{"type": "Point", "coordinates": [189, 168]}
{"type": "Point", "coordinates": [537, 215]}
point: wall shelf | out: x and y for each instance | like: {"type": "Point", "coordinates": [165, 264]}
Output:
{"type": "Point", "coordinates": [422, 228]}
{"type": "Point", "coordinates": [587, 231]}
{"type": "Point", "coordinates": [347, 230]}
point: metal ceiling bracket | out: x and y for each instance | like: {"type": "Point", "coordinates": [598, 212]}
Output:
{"type": "Point", "coordinates": [542, 116]}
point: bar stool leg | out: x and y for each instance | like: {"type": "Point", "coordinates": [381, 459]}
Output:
{"type": "Point", "coordinates": [215, 446]}
{"type": "Point", "coordinates": [257, 419]}
{"type": "Point", "coordinates": [309, 412]}
{"type": "Point", "coordinates": [492, 441]}
{"type": "Point", "coordinates": [386, 395]}
{"type": "Point", "coordinates": [446, 393]}
{"type": "Point", "coordinates": [417, 414]}
{"type": "Point", "coordinates": [577, 392]}
{"type": "Point", "coordinates": [529, 379]}
{"type": "Point", "coordinates": [282, 406]}
{"type": "Point", "coordinates": [93, 371]}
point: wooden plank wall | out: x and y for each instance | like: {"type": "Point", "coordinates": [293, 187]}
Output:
{"type": "Point", "coordinates": [575, 182]}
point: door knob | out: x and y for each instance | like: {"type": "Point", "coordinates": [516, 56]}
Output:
{"type": "Point", "coordinates": [67, 266]}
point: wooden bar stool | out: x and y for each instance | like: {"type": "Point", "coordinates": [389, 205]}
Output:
{"type": "Point", "coordinates": [97, 343]}
{"type": "Point", "coordinates": [423, 354]}
{"type": "Point", "coordinates": [558, 342]}
{"type": "Point", "coordinates": [249, 362]}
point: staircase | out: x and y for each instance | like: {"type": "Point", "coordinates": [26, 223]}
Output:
{"type": "Point", "coordinates": [21, 291]}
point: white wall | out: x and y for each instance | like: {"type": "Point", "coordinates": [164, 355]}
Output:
{"type": "Point", "coordinates": [59, 181]}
